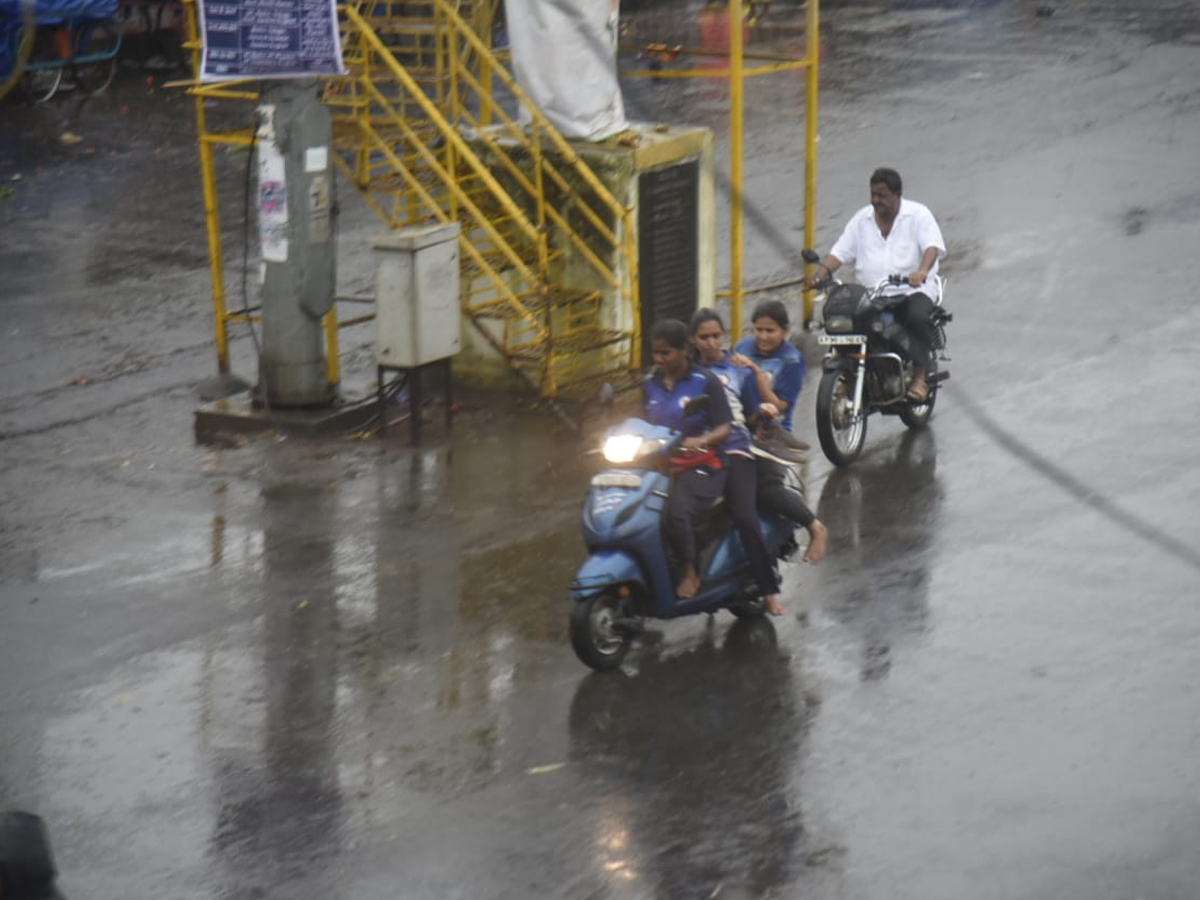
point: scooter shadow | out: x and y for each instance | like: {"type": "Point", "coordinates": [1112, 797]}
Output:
{"type": "Point", "coordinates": [692, 758]}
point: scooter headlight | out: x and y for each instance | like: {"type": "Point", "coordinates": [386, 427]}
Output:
{"type": "Point", "coordinates": [839, 324]}
{"type": "Point", "coordinates": [622, 449]}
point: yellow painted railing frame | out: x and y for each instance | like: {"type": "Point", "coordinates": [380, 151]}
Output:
{"type": "Point", "coordinates": [371, 52]}
{"type": "Point", "coordinates": [737, 72]}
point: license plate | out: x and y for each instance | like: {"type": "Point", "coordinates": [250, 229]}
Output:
{"type": "Point", "coordinates": [617, 479]}
{"type": "Point", "coordinates": [828, 339]}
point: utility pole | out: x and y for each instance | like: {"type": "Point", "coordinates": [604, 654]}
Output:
{"type": "Point", "coordinates": [297, 226]}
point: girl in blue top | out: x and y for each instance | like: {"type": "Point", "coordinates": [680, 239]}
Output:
{"type": "Point", "coordinates": [708, 336]}
{"type": "Point", "coordinates": [666, 391]}
{"type": "Point", "coordinates": [777, 369]}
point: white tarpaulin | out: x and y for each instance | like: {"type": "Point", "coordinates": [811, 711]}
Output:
{"type": "Point", "coordinates": [564, 55]}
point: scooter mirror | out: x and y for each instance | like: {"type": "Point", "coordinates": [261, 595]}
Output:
{"type": "Point", "coordinates": [810, 256]}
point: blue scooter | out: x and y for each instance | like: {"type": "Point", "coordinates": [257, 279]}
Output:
{"type": "Point", "coordinates": [628, 576]}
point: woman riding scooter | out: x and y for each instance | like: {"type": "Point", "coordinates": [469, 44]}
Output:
{"type": "Point", "coordinates": [708, 337]}
{"type": "Point", "coordinates": [666, 392]}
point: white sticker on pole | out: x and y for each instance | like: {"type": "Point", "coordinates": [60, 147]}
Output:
{"type": "Point", "coordinates": [316, 159]}
{"type": "Point", "coordinates": [272, 201]}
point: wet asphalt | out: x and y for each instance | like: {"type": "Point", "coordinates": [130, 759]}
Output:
{"type": "Point", "coordinates": [339, 669]}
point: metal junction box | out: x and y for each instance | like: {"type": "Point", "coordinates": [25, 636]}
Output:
{"type": "Point", "coordinates": [416, 293]}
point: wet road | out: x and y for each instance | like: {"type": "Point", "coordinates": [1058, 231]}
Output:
{"type": "Point", "coordinates": [340, 669]}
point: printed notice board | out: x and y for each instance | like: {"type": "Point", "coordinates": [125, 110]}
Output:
{"type": "Point", "coordinates": [269, 39]}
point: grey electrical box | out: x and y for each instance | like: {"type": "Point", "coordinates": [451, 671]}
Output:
{"type": "Point", "coordinates": [416, 295]}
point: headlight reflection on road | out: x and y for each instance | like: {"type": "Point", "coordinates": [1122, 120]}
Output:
{"type": "Point", "coordinates": [614, 842]}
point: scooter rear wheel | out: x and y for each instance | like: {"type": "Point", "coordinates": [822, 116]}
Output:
{"type": "Point", "coordinates": [596, 635]}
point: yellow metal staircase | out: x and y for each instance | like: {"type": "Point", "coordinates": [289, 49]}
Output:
{"type": "Point", "coordinates": [425, 126]}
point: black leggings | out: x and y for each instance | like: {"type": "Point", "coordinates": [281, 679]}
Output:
{"type": "Point", "coordinates": [741, 493]}
{"type": "Point", "coordinates": [691, 489]}
{"type": "Point", "coordinates": [775, 496]}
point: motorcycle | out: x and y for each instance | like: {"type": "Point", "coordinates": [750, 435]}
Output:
{"type": "Point", "coordinates": [628, 575]}
{"type": "Point", "coordinates": [862, 372]}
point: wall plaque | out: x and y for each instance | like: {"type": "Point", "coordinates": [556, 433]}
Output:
{"type": "Point", "coordinates": [668, 245]}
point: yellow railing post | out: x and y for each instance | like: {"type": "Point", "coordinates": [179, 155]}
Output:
{"type": "Point", "coordinates": [813, 38]}
{"type": "Point", "coordinates": [212, 216]}
{"type": "Point", "coordinates": [333, 365]}
{"type": "Point", "coordinates": [737, 115]}
{"type": "Point", "coordinates": [635, 297]}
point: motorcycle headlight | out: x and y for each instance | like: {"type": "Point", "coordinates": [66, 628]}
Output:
{"type": "Point", "coordinates": [839, 324]}
{"type": "Point", "coordinates": [625, 448]}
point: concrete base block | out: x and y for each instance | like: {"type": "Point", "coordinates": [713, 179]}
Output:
{"type": "Point", "coordinates": [239, 415]}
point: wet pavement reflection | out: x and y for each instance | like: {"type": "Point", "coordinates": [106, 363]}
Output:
{"type": "Point", "coordinates": [882, 517]}
{"type": "Point", "coordinates": [691, 766]}
{"type": "Point", "coordinates": [275, 784]}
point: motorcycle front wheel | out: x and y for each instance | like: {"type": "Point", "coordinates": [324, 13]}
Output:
{"type": "Point", "coordinates": [596, 635]}
{"type": "Point", "coordinates": [841, 432]}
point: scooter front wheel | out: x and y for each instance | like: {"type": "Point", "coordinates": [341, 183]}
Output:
{"type": "Point", "coordinates": [597, 631]}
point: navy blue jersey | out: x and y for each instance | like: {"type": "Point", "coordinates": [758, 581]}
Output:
{"type": "Point", "coordinates": [785, 369]}
{"type": "Point", "coordinates": [741, 390]}
{"type": "Point", "coordinates": [664, 406]}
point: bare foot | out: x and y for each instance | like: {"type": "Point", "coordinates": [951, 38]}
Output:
{"type": "Point", "coordinates": [818, 536]}
{"type": "Point", "coordinates": [688, 584]}
{"type": "Point", "coordinates": [774, 607]}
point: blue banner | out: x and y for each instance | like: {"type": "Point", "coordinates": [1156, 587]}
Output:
{"type": "Point", "coordinates": [269, 39]}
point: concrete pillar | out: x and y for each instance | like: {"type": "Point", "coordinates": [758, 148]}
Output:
{"type": "Point", "coordinates": [297, 227]}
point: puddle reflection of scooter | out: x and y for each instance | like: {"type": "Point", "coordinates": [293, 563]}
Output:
{"type": "Point", "coordinates": [691, 762]}
{"type": "Point", "coordinates": [882, 516]}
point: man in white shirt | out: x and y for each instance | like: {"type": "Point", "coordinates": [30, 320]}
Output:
{"type": "Point", "coordinates": [894, 236]}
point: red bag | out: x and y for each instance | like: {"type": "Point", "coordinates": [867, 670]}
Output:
{"type": "Point", "coordinates": [683, 460]}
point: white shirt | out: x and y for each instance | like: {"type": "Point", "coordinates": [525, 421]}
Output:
{"type": "Point", "coordinates": [875, 257]}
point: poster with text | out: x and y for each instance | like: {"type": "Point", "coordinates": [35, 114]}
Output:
{"type": "Point", "coordinates": [269, 39]}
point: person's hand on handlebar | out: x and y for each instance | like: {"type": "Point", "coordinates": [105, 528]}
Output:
{"type": "Point", "coordinates": [917, 278]}
{"type": "Point", "coordinates": [695, 444]}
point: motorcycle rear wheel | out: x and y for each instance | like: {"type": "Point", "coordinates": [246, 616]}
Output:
{"type": "Point", "coordinates": [595, 637]}
{"type": "Point", "coordinates": [917, 415]}
{"type": "Point", "coordinates": [841, 438]}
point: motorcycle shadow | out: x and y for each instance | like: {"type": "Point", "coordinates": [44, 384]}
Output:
{"type": "Point", "coordinates": [691, 760]}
